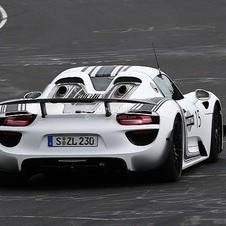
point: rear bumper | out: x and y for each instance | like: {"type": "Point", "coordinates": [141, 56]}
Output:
{"type": "Point", "coordinates": [113, 147]}
{"type": "Point", "coordinates": [137, 159]}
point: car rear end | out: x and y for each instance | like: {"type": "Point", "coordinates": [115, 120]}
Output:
{"type": "Point", "coordinates": [82, 141]}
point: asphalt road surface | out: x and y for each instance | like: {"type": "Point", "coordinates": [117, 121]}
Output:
{"type": "Point", "coordinates": [42, 38]}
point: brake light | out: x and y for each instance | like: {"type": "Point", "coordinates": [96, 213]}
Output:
{"type": "Point", "coordinates": [137, 119]}
{"type": "Point", "coordinates": [20, 121]}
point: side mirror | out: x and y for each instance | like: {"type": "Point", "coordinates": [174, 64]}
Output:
{"type": "Point", "coordinates": [202, 95]}
{"type": "Point", "coordinates": [32, 95]}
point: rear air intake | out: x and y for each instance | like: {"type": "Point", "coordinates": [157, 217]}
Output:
{"type": "Point", "coordinates": [9, 138]}
{"type": "Point", "coordinates": [142, 137]}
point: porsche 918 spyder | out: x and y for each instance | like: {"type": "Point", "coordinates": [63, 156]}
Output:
{"type": "Point", "coordinates": [110, 118]}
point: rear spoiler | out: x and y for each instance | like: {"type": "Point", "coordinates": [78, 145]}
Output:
{"type": "Point", "coordinates": [106, 102]}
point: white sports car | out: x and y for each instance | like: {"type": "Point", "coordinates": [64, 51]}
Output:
{"type": "Point", "coordinates": [110, 118]}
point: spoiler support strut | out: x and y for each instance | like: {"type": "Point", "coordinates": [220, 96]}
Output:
{"type": "Point", "coordinates": [107, 109]}
{"type": "Point", "coordinates": [43, 109]}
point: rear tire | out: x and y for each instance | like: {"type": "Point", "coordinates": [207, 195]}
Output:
{"type": "Point", "coordinates": [171, 171]}
{"type": "Point", "coordinates": [216, 135]}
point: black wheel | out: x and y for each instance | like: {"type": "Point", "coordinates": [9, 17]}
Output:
{"type": "Point", "coordinates": [216, 135]}
{"type": "Point", "coordinates": [172, 169]}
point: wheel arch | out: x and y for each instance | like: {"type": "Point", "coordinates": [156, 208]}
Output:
{"type": "Point", "coordinates": [172, 167]}
{"type": "Point", "coordinates": [218, 104]}
{"type": "Point", "coordinates": [182, 119]}
{"type": "Point", "coordinates": [216, 142]}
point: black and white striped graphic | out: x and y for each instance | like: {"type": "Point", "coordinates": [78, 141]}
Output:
{"type": "Point", "coordinates": [153, 106]}
{"type": "Point", "coordinates": [104, 71]}
{"type": "Point", "coordinates": [12, 108]}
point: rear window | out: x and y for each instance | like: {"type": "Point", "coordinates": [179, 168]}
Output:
{"type": "Point", "coordinates": [101, 83]}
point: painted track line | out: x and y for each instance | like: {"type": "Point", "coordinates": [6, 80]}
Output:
{"type": "Point", "coordinates": [3, 17]}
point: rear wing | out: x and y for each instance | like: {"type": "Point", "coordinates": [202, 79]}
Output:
{"type": "Point", "coordinates": [43, 102]}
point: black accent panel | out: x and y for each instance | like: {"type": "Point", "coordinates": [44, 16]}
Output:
{"type": "Point", "coordinates": [70, 80]}
{"type": "Point", "coordinates": [127, 79]}
{"type": "Point", "coordinates": [79, 165]}
{"type": "Point", "coordinates": [142, 137]}
{"type": "Point", "coordinates": [202, 149]}
{"type": "Point", "coordinates": [206, 104]}
{"type": "Point", "coordinates": [2, 120]}
{"type": "Point", "coordinates": [10, 139]}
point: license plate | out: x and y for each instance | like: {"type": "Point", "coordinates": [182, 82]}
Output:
{"type": "Point", "coordinates": [72, 141]}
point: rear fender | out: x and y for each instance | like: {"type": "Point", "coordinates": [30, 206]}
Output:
{"type": "Point", "coordinates": [168, 112]}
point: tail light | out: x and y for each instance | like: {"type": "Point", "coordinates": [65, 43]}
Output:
{"type": "Point", "coordinates": [19, 121]}
{"type": "Point", "coordinates": [137, 119]}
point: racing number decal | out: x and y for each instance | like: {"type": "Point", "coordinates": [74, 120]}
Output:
{"type": "Point", "coordinates": [198, 118]}
{"type": "Point", "coordinates": [190, 121]}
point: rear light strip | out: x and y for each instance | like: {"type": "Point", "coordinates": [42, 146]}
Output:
{"type": "Point", "coordinates": [18, 121]}
{"type": "Point", "coordinates": [137, 119]}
